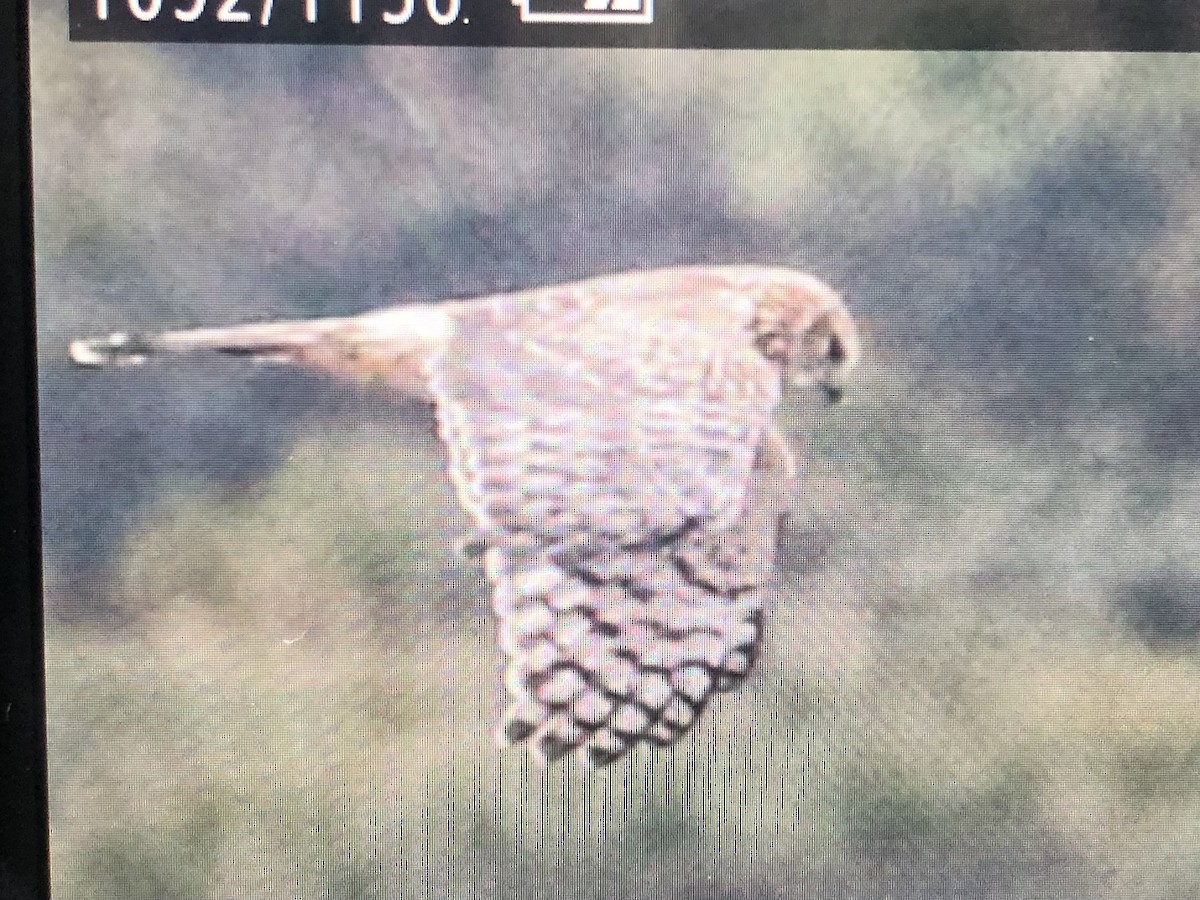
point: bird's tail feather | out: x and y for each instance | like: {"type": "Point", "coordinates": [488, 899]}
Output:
{"type": "Point", "coordinates": [271, 340]}
{"type": "Point", "coordinates": [390, 345]}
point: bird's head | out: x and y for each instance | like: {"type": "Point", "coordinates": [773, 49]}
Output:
{"type": "Point", "coordinates": [804, 326]}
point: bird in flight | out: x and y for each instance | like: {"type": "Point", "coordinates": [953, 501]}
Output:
{"type": "Point", "coordinates": [614, 442]}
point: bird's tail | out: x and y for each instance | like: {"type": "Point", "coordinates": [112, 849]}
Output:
{"type": "Point", "coordinates": [271, 340]}
{"type": "Point", "coordinates": [391, 345]}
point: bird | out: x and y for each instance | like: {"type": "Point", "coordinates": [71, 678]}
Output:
{"type": "Point", "coordinates": [614, 441]}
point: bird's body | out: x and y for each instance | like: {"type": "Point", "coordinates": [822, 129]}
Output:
{"type": "Point", "coordinates": [614, 442]}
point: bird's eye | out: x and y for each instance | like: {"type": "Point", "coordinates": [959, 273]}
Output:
{"type": "Point", "coordinates": [837, 350]}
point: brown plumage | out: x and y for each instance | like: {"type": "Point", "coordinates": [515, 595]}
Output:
{"type": "Point", "coordinates": [614, 442]}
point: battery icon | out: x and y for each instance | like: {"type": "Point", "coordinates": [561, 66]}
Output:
{"type": "Point", "coordinates": [587, 12]}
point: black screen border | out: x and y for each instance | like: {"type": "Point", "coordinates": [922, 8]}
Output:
{"type": "Point", "coordinates": [24, 829]}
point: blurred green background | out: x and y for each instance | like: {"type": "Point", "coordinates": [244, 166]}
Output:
{"type": "Point", "coordinates": [269, 675]}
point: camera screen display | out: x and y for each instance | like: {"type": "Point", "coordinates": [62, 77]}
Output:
{"type": "Point", "coordinates": [610, 468]}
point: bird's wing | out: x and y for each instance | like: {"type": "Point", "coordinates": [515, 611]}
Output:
{"type": "Point", "coordinates": [610, 464]}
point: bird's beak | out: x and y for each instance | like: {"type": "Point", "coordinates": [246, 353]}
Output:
{"type": "Point", "coordinates": [833, 393]}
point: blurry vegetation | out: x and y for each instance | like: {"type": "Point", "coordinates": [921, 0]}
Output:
{"type": "Point", "coordinates": [268, 672]}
